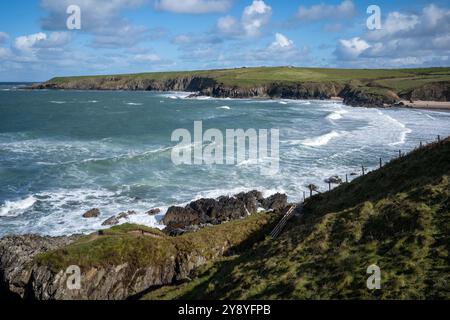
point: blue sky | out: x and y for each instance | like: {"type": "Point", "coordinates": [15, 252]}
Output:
{"type": "Point", "coordinates": [127, 36]}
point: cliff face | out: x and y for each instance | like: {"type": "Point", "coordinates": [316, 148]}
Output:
{"type": "Point", "coordinates": [125, 261]}
{"type": "Point", "coordinates": [437, 91]}
{"type": "Point", "coordinates": [358, 87]}
{"type": "Point", "coordinates": [210, 87]}
{"type": "Point", "coordinates": [29, 280]}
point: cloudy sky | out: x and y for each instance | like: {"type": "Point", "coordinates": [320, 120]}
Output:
{"type": "Point", "coordinates": [127, 36]}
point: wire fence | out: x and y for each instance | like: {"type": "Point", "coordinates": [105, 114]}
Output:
{"type": "Point", "coordinates": [335, 181]}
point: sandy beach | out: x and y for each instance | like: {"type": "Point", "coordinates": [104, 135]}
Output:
{"type": "Point", "coordinates": [435, 105]}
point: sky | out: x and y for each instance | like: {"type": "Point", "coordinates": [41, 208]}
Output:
{"type": "Point", "coordinates": [130, 36]}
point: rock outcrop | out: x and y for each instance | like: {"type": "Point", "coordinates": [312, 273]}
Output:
{"type": "Point", "coordinates": [93, 213]}
{"type": "Point", "coordinates": [354, 95]}
{"type": "Point", "coordinates": [217, 211]}
{"type": "Point", "coordinates": [436, 91]}
{"type": "Point", "coordinates": [127, 260]}
{"type": "Point", "coordinates": [16, 253]}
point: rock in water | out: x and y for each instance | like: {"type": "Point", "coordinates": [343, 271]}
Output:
{"type": "Point", "coordinates": [154, 212]}
{"type": "Point", "coordinates": [111, 221]}
{"type": "Point", "coordinates": [114, 220]}
{"type": "Point", "coordinates": [93, 213]}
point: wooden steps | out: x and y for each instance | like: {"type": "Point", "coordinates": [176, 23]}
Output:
{"type": "Point", "coordinates": [280, 226]}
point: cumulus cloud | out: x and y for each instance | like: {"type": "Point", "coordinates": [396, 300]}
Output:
{"type": "Point", "coordinates": [254, 18]}
{"type": "Point", "coordinates": [322, 11]}
{"type": "Point", "coordinates": [351, 49]}
{"type": "Point", "coordinates": [405, 39]}
{"type": "Point", "coordinates": [36, 41]}
{"type": "Point", "coordinates": [281, 43]}
{"type": "Point", "coordinates": [193, 6]}
{"type": "Point", "coordinates": [102, 18]}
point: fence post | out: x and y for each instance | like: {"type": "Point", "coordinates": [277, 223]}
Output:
{"type": "Point", "coordinates": [421, 144]}
{"type": "Point", "coordinates": [363, 170]}
{"type": "Point", "coordinates": [399, 153]}
{"type": "Point", "coordinates": [439, 138]}
{"type": "Point", "coordinates": [346, 178]}
{"type": "Point", "coordinates": [304, 196]}
{"type": "Point", "coordinates": [381, 163]}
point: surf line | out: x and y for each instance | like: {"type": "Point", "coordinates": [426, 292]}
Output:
{"type": "Point", "coordinates": [236, 146]}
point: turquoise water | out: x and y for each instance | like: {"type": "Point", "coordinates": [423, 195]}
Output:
{"type": "Point", "coordinates": [65, 152]}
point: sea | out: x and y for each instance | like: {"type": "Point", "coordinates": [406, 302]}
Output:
{"type": "Point", "coordinates": [65, 152]}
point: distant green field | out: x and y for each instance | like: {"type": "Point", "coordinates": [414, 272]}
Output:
{"type": "Point", "coordinates": [396, 79]}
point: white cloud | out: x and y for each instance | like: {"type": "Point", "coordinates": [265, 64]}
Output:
{"type": "Point", "coordinates": [254, 18]}
{"type": "Point", "coordinates": [351, 49]}
{"type": "Point", "coordinates": [228, 25]}
{"type": "Point", "coordinates": [404, 40]}
{"type": "Point", "coordinates": [281, 43]}
{"type": "Point", "coordinates": [5, 53]}
{"type": "Point", "coordinates": [323, 11]}
{"type": "Point", "coordinates": [32, 42]}
{"type": "Point", "coordinates": [29, 42]}
{"type": "Point", "coordinates": [193, 6]}
{"type": "Point", "coordinates": [102, 18]}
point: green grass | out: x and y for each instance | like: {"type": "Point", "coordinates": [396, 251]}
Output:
{"type": "Point", "coordinates": [397, 217]}
{"type": "Point", "coordinates": [395, 79]}
{"type": "Point", "coordinates": [141, 246]}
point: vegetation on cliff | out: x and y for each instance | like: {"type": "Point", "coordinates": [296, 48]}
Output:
{"type": "Point", "coordinates": [140, 245]}
{"type": "Point", "coordinates": [397, 217]}
{"type": "Point", "coordinates": [358, 87]}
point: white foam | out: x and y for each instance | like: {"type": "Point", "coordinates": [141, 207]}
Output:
{"type": "Point", "coordinates": [337, 115]}
{"type": "Point", "coordinates": [58, 102]}
{"type": "Point", "coordinates": [224, 107]}
{"type": "Point", "coordinates": [18, 207]}
{"type": "Point", "coordinates": [320, 140]}
{"type": "Point", "coordinates": [175, 95]}
{"type": "Point", "coordinates": [134, 104]}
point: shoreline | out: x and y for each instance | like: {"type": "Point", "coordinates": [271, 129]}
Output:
{"type": "Point", "coordinates": [426, 105]}
{"type": "Point", "coordinates": [403, 104]}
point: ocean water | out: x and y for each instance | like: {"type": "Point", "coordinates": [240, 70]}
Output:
{"type": "Point", "coordinates": [65, 152]}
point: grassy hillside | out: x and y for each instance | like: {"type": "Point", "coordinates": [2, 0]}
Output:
{"type": "Point", "coordinates": [142, 245]}
{"type": "Point", "coordinates": [399, 79]}
{"type": "Point", "coordinates": [397, 218]}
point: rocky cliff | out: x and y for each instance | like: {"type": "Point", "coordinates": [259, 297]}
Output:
{"type": "Point", "coordinates": [353, 95]}
{"type": "Point", "coordinates": [126, 261]}
{"type": "Point", "coordinates": [358, 87]}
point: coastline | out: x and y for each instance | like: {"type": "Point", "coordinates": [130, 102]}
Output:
{"type": "Point", "coordinates": [403, 104]}
{"type": "Point", "coordinates": [427, 105]}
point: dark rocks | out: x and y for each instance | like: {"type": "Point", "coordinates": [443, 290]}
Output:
{"type": "Point", "coordinates": [154, 212]}
{"type": "Point", "coordinates": [17, 252]}
{"type": "Point", "coordinates": [111, 221]}
{"type": "Point", "coordinates": [93, 213]}
{"type": "Point", "coordinates": [114, 220]}
{"type": "Point", "coordinates": [217, 211]}
{"type": "Point", "coordinates": [276, 202]}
